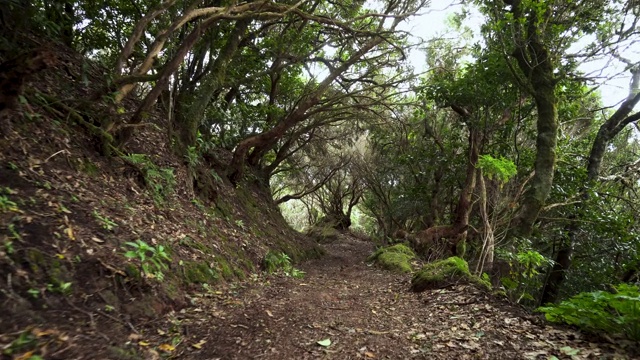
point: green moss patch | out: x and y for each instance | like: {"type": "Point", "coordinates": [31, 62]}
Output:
{"type": "Point", "coordinates": [443, 273]}
{"type": "Point", "coordinates": [200, 273]}
{"type": "Point", "coordinates": [395, 258]}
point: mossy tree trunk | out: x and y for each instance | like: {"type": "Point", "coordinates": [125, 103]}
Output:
{"type": "Point", "coordinates": [546, 140]}
{"type": "Point", "coordinates": [188, 120]}
{"type": "Point", "coordinates": [533, 57]}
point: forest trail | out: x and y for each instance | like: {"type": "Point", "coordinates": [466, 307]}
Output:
{"type": "Point", "coordinates": [368, 313]}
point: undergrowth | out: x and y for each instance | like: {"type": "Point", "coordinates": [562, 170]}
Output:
{"type": "Point", "coordinates": [616, 313]}
{"type": "Point", "coordinates": [275, 262]}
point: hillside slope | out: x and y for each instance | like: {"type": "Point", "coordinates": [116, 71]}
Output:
{"type": "Point", "coordinates": [94, 247]}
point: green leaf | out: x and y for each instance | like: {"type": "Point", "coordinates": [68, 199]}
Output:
{"type": "Point", "coordinates": [325, 342]}
{"type": "Point", "coordinates": [130, 254]}
{"type": "Point", "coordinates": [569, 350]}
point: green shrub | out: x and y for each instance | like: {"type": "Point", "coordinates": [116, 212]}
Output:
{"type": "Point", "coordinates": [601, 311]}
{"type": "Point", "coordinates": [153, 259]}
{"type": "Point", "coordinates": [274, 262]}
{"type": "Point", "coordinates": [524, 277]}
{"type": "Point", "coordinates": [499, 168]}
{"type": "Point", "coordinates": [161, 181]}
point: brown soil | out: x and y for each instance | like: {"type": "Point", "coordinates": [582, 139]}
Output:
{"type": "Point", "coordinates": [367, 313]}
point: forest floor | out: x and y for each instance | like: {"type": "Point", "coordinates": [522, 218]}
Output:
{"type": "Point", "coordinates": [368, 313]}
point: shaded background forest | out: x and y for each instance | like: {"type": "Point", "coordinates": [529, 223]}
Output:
{"type": "Point", "coordinates": [500, 151]}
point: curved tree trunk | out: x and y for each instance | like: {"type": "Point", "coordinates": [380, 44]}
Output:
{"type": "Point", "coordinates": [271, 136]}
{"type": "Point", "coordinates": [124, 134]}
{"type": "Point", "coordinates": [538, 66]}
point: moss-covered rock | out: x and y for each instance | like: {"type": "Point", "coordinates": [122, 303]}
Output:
{"type": "Point", "coordinates": [397, 248]}
{"type": "Point", "coordinates": [324, 233]}
{"type": "Point", "coordinates": [394, 258]}
{"type": "Point", "coordinates": [444, 273]}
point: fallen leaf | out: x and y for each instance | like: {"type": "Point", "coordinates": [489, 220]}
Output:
{"type": "Point", "coordinates": [325, 342]}
{"type": "Point", "coordinates": [199, 344]}
{"type": "Point", "coordinates": [369, 354]}
{"type": "Point", "coordinates": [25, 356]}
{"type": "Point", "coordinates": [98, 240]}
{"type": "Point", "coordinates": [569, 350]}
{"type": "Point", "coordinates": [134, 337]}
{"type": "Point", "coordinates": [40, 333]}
{"type": "Point", "coordinates": [69, 232]}
{"type": "Point", "coordinates": [166, 347]}
{"type": "Point", "coordinates": [269, 313]}
{"type": "Point", "coordinates": [143, 343]}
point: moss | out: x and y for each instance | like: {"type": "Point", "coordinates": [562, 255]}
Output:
{"type": "Point", "coordinates": [88, 167]}
{"type": "Point", "coordinates": [118, 353]}
{"type": "Point", "coordinates": [222, 209]}
{"type": "Point", "coordinates": [199, 273]}
{"type": "Point", "coordinates": [395, 262]}
{"type": "Point", "coordinates": [50, 270]}
{"type": "Point", "coordinates": [58, 273]}
{"type": "Point", "coordinates": [314, 252]}
{"type": "Point", "coordinates": [133, 271]}
{"type": "Point", "coordinates": [461, 249]}
{"type": "Point", "coordinates": [443, 273]}
{"type": "Point", "coordinates": [225, 269]}
{"type": "Point", "coordinates": [172, 290]}
{"type": "Point", "coordinates": [395, 258]}
{"type": "Point", "coordinates": [248, 265]}
{"type": "Point", "coordinates": [397, 248]}
{"type": "Point", "coordinates": [36, 260]}
{"type": "Point", "coordinates": [194, 244]}
{"type": "Point", "coordinates": [240, 275]}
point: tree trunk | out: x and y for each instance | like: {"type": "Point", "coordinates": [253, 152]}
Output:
{"type": "Point", "coordinates": [124, 134]}
{"type": "Point", "coordinates": [456, 232]}
{"type": "Point", "coordinates": [189, 119]}
{"type": "Point", "coordinates": [547, 126]}
{"type": "Point", "coordinates": [485, 262]}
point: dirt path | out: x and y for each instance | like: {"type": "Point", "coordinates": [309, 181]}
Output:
{"type": "Point", "coordinates": [368, 313]}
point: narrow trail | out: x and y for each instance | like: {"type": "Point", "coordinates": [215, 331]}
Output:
{"type": "Point", "coordinates": [367, 313]}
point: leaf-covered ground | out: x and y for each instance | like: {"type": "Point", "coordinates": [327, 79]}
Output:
{"type": "Point", "coordinates": [367, 313]}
